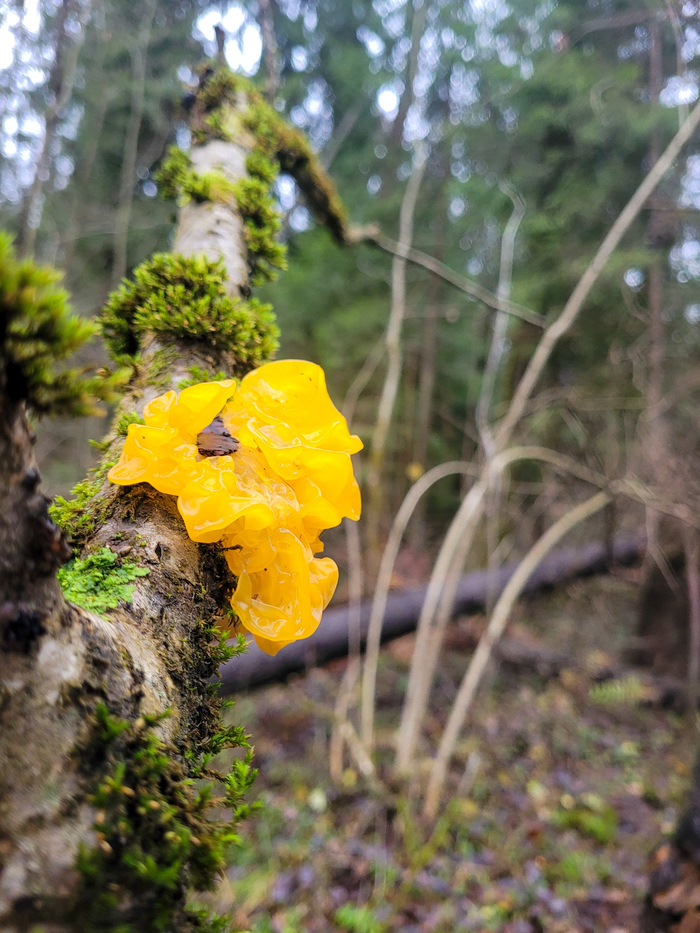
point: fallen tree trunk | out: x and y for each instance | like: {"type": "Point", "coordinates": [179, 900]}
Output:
{"type": "Point", "coordinates": [331, 639]}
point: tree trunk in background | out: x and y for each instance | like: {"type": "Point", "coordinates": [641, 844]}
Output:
{"type": "Point", "coordinates": [424, 408]}
{"type": "Point", "coordinates": [61, 87]}
{"type": "Point", "coordinates": [271, 58]}
{"type": "Point", "coordinates": [131, 143]}
{"type": "Point", "coordinates": [85, 169]}
{"type": "Point", "coordinates": [419, 13]}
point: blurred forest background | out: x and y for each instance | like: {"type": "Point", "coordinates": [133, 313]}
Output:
{"type": "Point", "coordinates": [494, 144]}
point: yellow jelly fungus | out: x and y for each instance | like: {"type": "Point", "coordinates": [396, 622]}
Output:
{"type": "Point", "coordinates": [289, 477]}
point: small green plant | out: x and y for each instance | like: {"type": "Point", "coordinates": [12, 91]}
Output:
{"type": "Point", "coordinates": [99, 581]}
{"type": "Point", "coordinates": [599, 823]}
{"type": "Point", "coordinates": [78, 516]}
{"type": "Point", "coordinates": [125, 419]}
{"type": "Point", "coordinates": [357, 919]}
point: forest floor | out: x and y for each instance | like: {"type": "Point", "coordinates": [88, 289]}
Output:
{"type": "Point", "coordinates": [560, 789]}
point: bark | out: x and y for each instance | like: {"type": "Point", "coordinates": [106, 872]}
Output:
{"type": "Point", "coordinates": [403, 608]}
{"type": "Point", "coordinates": [210, 227]}
{"type": "Point", "coordinates": [58, 661]}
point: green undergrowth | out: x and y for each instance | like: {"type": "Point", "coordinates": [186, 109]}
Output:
{"type": "Point", "coordinates": [184, 298]}
{"type": "Point", "coordinates": [38, 330]}
{"type": "Point", "coordinates": [164, 824]}
{"type": "Point", "coordinates": [100, 581]}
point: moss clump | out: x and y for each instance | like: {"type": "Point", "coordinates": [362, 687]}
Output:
{"type": "Point", "coordinates": [252, 196]}
{"type": "Point", "coordinates": [37, 330]}
{"type": "Point", "coordinates": [178, 179]}
{"type": "Point", "coordinates": [99, 581]}
{"type": "Point", "coordinates": [261, 223]}
{"type": "Point", "coordinates": [184, 298]}
{"type": "Point", "coordinates": [159, 835]}
{"type": "Point", "coordinates": [79, 516]}
{"type": "Point", "coordinates": [197, 374]}
{"type": "Point", "coordinates": [125, 419]}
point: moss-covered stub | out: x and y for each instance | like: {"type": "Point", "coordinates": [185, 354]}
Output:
{"type": "Point", "coordinates": [159, 836]}
{"type": "Point", "coordinates": [183, 298]}
{"type": "Point", "coordinates": [252, 196]}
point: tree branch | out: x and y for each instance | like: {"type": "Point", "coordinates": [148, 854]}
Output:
{"type": "Point", "coordinates": [372, 234]}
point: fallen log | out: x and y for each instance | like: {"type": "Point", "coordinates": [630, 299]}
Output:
{"type": "Point", "coordinates": [330, 640]}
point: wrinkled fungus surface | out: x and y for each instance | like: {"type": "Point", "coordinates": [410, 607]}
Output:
{"type": "Point", "coordinates": [289, 477]}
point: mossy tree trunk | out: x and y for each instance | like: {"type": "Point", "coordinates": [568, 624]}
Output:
{"type": "Point", "coordinates": [107, 712]}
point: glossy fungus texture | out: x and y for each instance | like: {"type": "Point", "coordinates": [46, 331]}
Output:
{"type": "Point", "coordinates": [289, 477]}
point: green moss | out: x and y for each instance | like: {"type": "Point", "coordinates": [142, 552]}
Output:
{"type": "Point", "coordinates": [125, 419]}
{"type": "Point", "coordinates": [261, 223]}
{"type": "Point", "coordinates": [184, 298]}
{"type": "Point", "coordinates": [178, 179]}
{"type": "Point", "coordinates": [197, 374]}
{"type": "Point", "coordinates": [37, 331]}
{"type": "Point", "coordinates": [99, 581]}
{"type": "Point", "coordinates": [79, 516]}
{"type": "Point", "coordinates": [159, 834]}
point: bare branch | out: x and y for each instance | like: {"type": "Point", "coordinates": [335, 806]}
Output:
{"type": "Point", "coordinates": [494, 630]}
{"type": "Point", "coordinates": [393, 348]}
{"type": "Point", "coordinates": [574, 305]}
{"type": "Point", "coordinates": [372, 234]}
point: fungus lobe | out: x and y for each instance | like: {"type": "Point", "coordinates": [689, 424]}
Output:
{"type": "Point", "coordinates": [263, 468]}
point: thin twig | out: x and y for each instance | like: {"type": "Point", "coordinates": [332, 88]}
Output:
{"type": "Point", "coordinates": [381, 592]}
{"type": "Point", "coordinates": [359, 383]}
{"type": "Point", "coordinates": [372, 234]}
{"type": "Point", "coordinates": [574, 305]}
{"type": "Point", "coordinates": [488, 379]}
{"type": "Point", "coordinates": [493, 632]}
{"type": "Point", "coordinates": [352, 671]}
{"type": "Point", "coordinates": [392, 378]}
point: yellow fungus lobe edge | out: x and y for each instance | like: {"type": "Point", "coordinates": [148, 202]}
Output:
{"type": "Point", "coordinates": [288, 478]}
